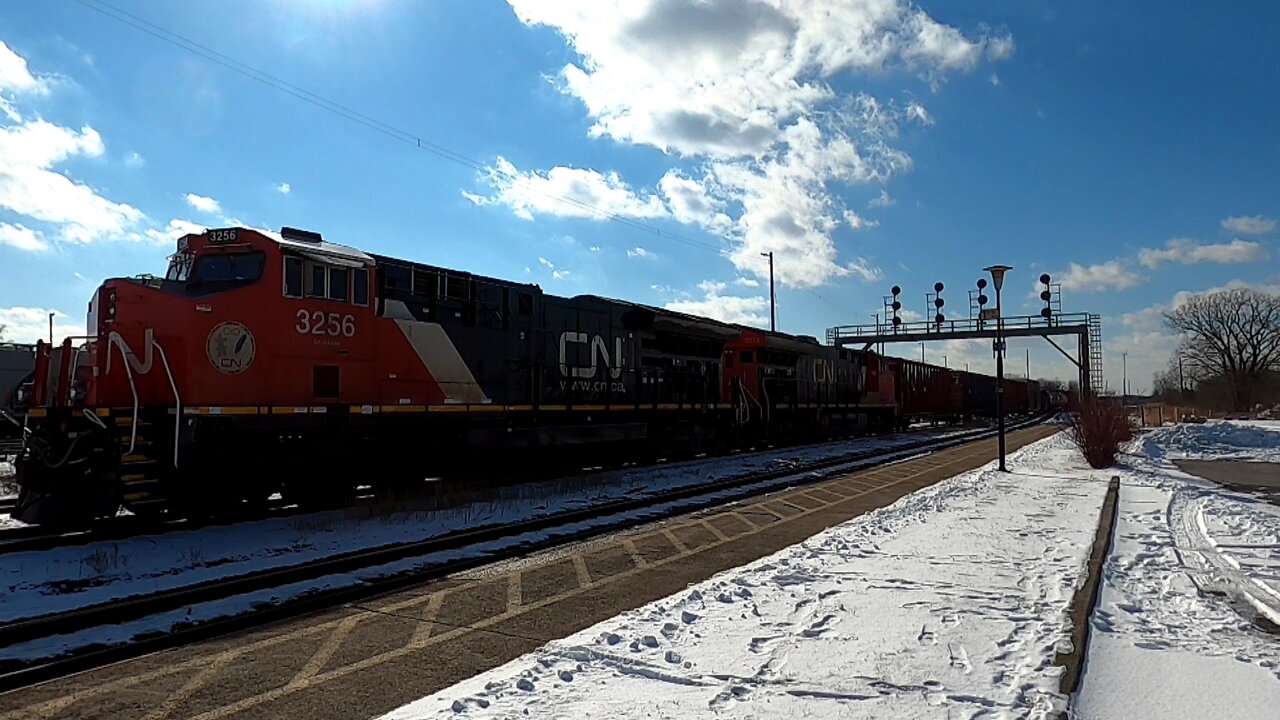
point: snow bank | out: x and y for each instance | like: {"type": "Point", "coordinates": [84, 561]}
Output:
{"type": "Point", "coordinates": [1221, 440]}
{"type": "Point", "coordinates": [952, 600]}
{"type": "Point", "coordinates": [1194, 567]}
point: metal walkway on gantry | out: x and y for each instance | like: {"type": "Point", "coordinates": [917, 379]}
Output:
{"type": "Point", "coordinates": [1087, 328]}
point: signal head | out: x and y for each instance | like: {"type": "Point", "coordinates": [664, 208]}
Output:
{"type": "Point", "coordinates": [983, 300]}
{"type": "Point", "coordinates": [896, 306]}
{"type": "Point", "coordinates": [1046, 313]}
{"type": "Point", "coordinates": [897, 321]}
{"type": "Point", "coordinates": [1045, 278]}
{"type": "Point", "coordinates": [982, 283]}
{"type": "Point", "coordinates": [939, 302]}
{"type": "Point", "coordinates": [937, 287]}
{"type": "Point", "coordinates": [895, 289]}
{"type": "Point", "coordinates": [1046, 295]}
{"type": "Point", "coordinates": [939, 318]}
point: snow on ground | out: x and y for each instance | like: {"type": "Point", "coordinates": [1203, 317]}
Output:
{"type": "Point", "coordinates": [1194, 569]}
{"type": "Point", "coordinates": [949, 603]}
{"type": "Point", "coordinates": [1256, 440]}
{"type": "Point", "coordinates": [37, 583]}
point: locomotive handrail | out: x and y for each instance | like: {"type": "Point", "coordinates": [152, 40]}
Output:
{"type": "Point", "coordinates": [114, 339]}
{"type": "Point", "coordinates": [177, 415]}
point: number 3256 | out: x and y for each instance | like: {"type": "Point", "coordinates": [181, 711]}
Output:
{"type": "Point", "coordinates": [318, 323]}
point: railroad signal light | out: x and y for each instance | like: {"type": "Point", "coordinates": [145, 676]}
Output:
{"type": "Point", "coordinates": [1046, 295]}
{"type": "Point", "coordinates": [939, 318]}
{"type": "Point", "coordinates": [896, 306]}
{"type": "Point", "coordinates": [897, 321]}
{"type": "Point", "coordinates": [937, 287]}
{"type": "Point", "coordinates": [895, 290]}
{"type": "Point", "coordinates": [938, 302]}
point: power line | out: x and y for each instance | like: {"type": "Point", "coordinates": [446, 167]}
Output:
{"type": "Point", "coordinates": [184, 43]}
{"type": "Point", "coordinates": [261, 76]}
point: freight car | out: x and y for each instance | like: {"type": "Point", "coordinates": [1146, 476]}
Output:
{"type": "Point", "coordinates": [16, 363]}
{"type": "Point", "coordinates": [268, 362]}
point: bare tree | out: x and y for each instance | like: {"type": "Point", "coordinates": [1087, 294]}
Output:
{"type": "Point", "coordinates": [1231, 335]}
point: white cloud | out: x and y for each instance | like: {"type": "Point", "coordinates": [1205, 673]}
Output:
{"type": "Point", "coordinates": [1190, 252]}
{"type": "Point", "coordinates": [202, 203]}
{"type": "Point", "coordinates": [28, 324]}
{"type": "Point", "coordinates": [22, 237]}
{"type": "Point", "coordinates": [29, 187]}
{"type": "Point", "coordinates": [15, 79]}
{"type": "Point", "coordinates": [1111, 275]}
{"type": "Point", "coordinates": [639, 252]}
{"type": "Point", "coordinates": [726, 308]}
{"type": "Point", "coordinates": [133, 159]}
{"type": "Point", "coordinates": [883, 200]}
{"type": "Point", "coordinates": [994, 79]}
{"type": "Point", "coordinates": [1249, 224]}
{"type": "Point", "coordinates": [865, 270]}
{"type": "Point", "coordinates": [595, 248]}
{"type": "Point", "coordinates": [283, 188]}
{"type": "Point", "coordinates": [690, 202]}
{"type": "Point", "coordinates": [742, 88]}
{"type": "Point", "coordinates": [557, 273]}
{"type": "Point", "coordinates": [746, 282]}
{"type": "Point", "coordinates": [565, 191]}
{"type": "Point", "coordinates": [176, 229]}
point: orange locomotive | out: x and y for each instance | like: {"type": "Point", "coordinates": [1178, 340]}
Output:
{"type": "Point", "coordinates": [271, 362]}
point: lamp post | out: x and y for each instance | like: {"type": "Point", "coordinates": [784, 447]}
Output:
{"type": "Point", "coordinates": [1124, 377]}
{"type": "Point", "coordinates": [997, 279]}
{"type": "Point", "coordinates": [773, 304]}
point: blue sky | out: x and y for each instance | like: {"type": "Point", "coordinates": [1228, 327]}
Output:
{"type": "Point", "coordinates": [1132, 154]}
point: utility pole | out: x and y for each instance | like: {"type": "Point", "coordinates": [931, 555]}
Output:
{"type": "Point", "coordinates": [773, 302]}
{"type": "Point", "coordinates": [1028, 363]}
{"type": "Point", "coordinates": [921, 352]}
{"type": "Point", "coordinates": [51, 328]}
{"type": "Point", "coordinates": [1124, 376]}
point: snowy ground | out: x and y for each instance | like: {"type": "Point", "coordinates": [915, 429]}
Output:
{"type": "Point", "coordinates": [1181, 626]}
{"type": "Point", "coordinates": [38, 583]}
{"type": "Point", "coordinates": [949, 603]}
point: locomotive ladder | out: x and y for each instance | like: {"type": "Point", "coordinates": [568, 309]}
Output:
{"type": "Point", "coordinates": [139, 480]}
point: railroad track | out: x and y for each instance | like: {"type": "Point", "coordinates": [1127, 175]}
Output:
{"type": "Point", "coordinates": [488, 544]}
{"type": "Point", "coordinates": [126, 526]}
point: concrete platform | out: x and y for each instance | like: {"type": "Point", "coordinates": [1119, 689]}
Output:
{"type": "Point", "coordinates": [360, 661]}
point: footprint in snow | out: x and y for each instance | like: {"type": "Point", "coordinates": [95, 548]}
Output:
{"type": "Point", "coordinates": [927, 636]}
{"type": "Point", "coordinates": [525, 684]}
{"type": "Point", "coordinates": [960, 658]}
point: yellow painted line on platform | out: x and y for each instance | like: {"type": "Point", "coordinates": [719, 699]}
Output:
{"type": "Point", "coordinates": [37, 412]}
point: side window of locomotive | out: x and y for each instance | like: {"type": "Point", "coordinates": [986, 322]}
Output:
{"type": "Point", "coordinates": [338, 284]}
{"type": "Point", "coordinates": [317, 275]}
{"type": "Point", "coordinates": [293, 277]}
{"type": "Point", "coordinates": [744, 356]}
{"type": "Point", "coordinates": [360, 286]}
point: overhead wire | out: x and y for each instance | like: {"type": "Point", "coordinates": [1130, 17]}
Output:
{"type": "Point", "coordinates": [187, 44]}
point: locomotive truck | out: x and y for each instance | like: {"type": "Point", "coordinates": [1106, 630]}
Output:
{"type": "Point", "coordinates": [266, 362]}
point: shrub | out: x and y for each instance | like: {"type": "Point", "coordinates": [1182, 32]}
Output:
{"type": "Point", "coordinates": [1098, 430]}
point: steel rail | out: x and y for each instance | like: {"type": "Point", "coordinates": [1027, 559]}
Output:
{"type": "Point", "coordinates": [14, 674]}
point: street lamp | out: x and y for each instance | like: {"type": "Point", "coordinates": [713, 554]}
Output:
{"type": "Point", "coordinates": [1124, 377]}
{"type": "Point", "coordinates": [997, 279]}
{"type": "Point", "coordinates": [773, 303]}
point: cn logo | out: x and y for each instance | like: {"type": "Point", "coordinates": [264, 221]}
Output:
{"type": "Point", "coordinates": [599, 350]}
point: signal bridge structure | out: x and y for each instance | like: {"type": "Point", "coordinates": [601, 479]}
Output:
{"type": "Point", "coordinates": [1086, 327]}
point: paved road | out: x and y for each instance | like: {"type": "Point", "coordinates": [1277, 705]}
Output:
{"type": "Point", "coordinates": [358, 662]}
{"type": "Point", "coordinates": [1263, 479]}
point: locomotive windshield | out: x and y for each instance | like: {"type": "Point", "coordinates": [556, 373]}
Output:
{"type": "Point", "coordinates": [229, 268]}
